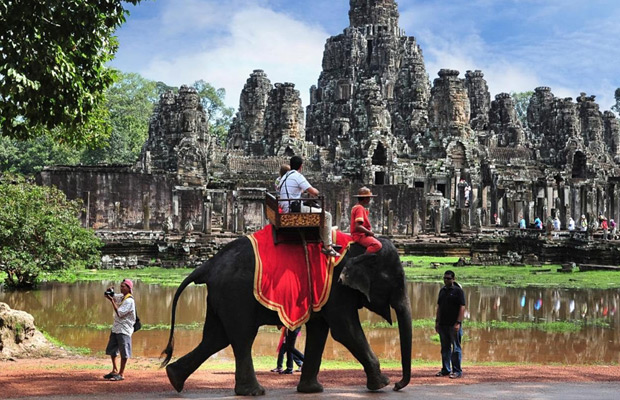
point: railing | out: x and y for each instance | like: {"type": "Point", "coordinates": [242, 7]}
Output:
{"type": "Point", "coordinates": [279, 219]}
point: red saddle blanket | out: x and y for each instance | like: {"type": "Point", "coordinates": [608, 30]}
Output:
{"type": "Point", "coordinates": [282, 281]}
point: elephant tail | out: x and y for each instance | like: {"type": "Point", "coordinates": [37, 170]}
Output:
{"type": "Point", "coordinates": [191, 278]}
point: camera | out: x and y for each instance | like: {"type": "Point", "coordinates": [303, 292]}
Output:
{"type": "Point", "coordinates": [109, 292]}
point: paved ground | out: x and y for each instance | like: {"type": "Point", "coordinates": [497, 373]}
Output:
{"type": "Point", "coordinates": [81, 378]}
{"type": "Point", "coordinates": [510, 391]}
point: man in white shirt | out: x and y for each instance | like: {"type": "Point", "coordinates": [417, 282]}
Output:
{"type": "Point", "coordinates": [122, 329]}
{"type": "Point", "coordinates": [292, 185]}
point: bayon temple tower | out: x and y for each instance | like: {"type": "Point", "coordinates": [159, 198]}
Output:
{"type": "Point", "coordinates": [446, 155]}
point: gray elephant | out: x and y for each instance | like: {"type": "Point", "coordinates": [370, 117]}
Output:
{"type": "Point", "coordinates": [375, 281]}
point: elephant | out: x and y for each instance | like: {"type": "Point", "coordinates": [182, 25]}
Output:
{"type": "Point", "coordinates": [375, 281]}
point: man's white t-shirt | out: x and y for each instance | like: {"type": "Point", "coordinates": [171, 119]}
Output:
{"type": "Point", "coordinates": [292, 185]}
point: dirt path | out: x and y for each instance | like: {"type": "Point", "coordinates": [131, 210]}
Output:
{"type": "Point", "coordinates": [75, 376]}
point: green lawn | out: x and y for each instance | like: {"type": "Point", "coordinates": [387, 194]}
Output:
{"type": "Point", "coordinates": [508, 276]}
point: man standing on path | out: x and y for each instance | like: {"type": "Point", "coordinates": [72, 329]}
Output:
{"type": "Point", "coordinates": [448, 324]}
{"type": "Point", "coordinates": [122, 329]}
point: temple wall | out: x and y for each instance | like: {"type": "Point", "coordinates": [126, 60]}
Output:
{"type": "Point", "coordinates": [118, 198]}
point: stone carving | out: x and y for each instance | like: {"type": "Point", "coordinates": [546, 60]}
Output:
{"type": "Point", "coordinates": [178, 137]}
{"type": "Point", "coordinates": [248, 125]}
{"type": "Point", "coordinates": [449, 106]}
{"type": "Point", "coordinates": [284, 133]}
{"type": "Point", "coordinates": [479, 99]}
{"type": "Point", "coordinates": [504, 122]}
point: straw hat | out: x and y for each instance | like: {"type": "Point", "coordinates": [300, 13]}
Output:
{"type": "Point", "coordinates": [364, 192]}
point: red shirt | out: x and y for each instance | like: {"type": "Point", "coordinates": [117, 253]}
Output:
{"type": "Point", "coordinates": [359, 214]}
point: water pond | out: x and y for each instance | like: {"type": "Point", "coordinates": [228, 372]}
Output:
{"type": "Point", "coordinates": [79, 316]}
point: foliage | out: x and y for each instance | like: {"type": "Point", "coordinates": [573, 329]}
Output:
{"type": "Point", "coordinates": [40, 232]}
{"type": "Point", "coordinates": [616, 107]}
{"type": "Point", "coordinates": [29, 157]}
{"type": "Point", "coordinates": [129, 103]}
{"type": "Point", "coordinates": [522, 101]}
{"type": "Point", "coordinates": [128, 107]}
{"type": "Point", "coordinates": [52, 67]}
{"type": "Point", "coordinates": [219, 116]}
{"type": "Point", "coordinates": [149, 275]}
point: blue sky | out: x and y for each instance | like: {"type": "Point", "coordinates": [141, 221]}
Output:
{"type": "Point", "coordinates": [572, 46]}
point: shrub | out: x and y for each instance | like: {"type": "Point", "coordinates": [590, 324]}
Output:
{"type": "Point", "coordinates": [40, 232]}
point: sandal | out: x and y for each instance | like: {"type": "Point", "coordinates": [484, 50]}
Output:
{"type": "Point", "coordinates": [110, 375]}
{"type": "Point", "coordinates": [117, 377]}
{"type": "Point", "coordinates": [330, 252]}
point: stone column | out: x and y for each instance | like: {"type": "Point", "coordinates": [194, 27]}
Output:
{"type": "Point", "coordinates": [485, 196]}
{"type": "Point", "coordinates": [338, 212]}
{"type": "Point", "coordinates": [616, 204]}
{"type": "Point", "coordinates": [415, 228]}
{"type": "Point", "coordinates": [550, 204]}
{"type": "Point", "coordinates": [175, 211]}
{"type": "Point", "coordinates": [519, 210]}
{"type": "Point", "coordinates": [390, 222]}
{"type": "Point", "coordinates": [86, 200]}
{"type": "Point", "coordinates": [146, 211]}
{"type": "Point", "coordinates": [206, 217]}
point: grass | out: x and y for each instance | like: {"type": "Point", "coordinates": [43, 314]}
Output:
{"type": "Point", "coordinates": [76, 350]}
{"type": "Point", "coordinates": [508, 276]}
{"type": "Point", "coordinates": [553, 326]}
{"type": "Point", "coordinates": [148, 275]}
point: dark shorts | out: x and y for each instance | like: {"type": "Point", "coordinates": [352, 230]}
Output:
{"type": "Point", "coordinates": [119, 343]}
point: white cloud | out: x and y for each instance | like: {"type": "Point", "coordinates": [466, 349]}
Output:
{"type": "Point", "coordinates": [288, 50]}
{"type": "Point", "coordinates": [563, 44]}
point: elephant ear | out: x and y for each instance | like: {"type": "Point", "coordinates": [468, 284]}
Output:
{"type": "Point", "coordinates": [358, 273]}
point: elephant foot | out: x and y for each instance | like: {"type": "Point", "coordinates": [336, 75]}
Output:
{"type": "Point", "coordinates": [248, 390]}
{"type": "Point", "coordinates": [175, 380]}
{"type": "Point", "coordinates": [309, 387]}
{"type": "Point", "coordinates": [377, 383]}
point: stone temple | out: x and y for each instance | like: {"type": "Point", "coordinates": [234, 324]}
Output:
{"type": "Point", "coordinates": [442, 156]}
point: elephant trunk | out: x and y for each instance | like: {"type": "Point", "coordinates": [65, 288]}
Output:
{"type": "Point", "coordinates": [403, 313]}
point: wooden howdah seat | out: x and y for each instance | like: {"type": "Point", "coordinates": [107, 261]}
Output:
{"type": "Point", "coordinates": [294, 226]}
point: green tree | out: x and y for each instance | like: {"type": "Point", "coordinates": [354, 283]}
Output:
{"type": "Point", "coordinates": [129, 103]}
{"type": "Point", "coordinates": [616, 107]}
{"type": "Point", "coordinates": [29, 157]}
{"type": "Point", "coordinates": [219, 116]}
{"type": "Point", "coordinates": [52, 67]}
{"type": "Point", "coordinates": [522, 101]}
{"type": "Point", "coordinates": [40, 232]}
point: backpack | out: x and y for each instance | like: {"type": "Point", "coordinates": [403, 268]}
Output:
{"type": "Point", "coordinates": [137, 325]}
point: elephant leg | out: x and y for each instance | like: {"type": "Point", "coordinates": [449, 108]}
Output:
{"type": "Point", "coordinates": [316, 335]}
{"type": "Point", "coordinates": [245, 376]}
{"type": "Point", "coordinates": [214, 339]}
{"type": "Point", "coordinates": [348, 331]}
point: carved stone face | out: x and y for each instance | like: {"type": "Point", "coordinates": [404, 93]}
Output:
{"type": "Point", "coordinates": [289, 123]}
{"type": "Point", "coordinates": [375, 117]}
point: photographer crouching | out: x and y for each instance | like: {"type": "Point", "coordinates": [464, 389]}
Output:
{"type": "Point", "coordinates": [124, 319]}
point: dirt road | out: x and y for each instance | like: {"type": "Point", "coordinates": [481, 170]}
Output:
{"type": "Point", "coordinates": [83, 376]}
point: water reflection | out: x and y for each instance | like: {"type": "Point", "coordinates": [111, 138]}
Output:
{"type": "Point", "coordinates": [72, 312]}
